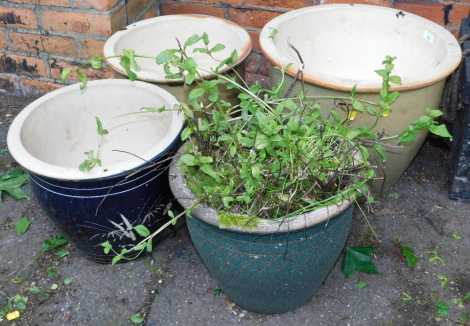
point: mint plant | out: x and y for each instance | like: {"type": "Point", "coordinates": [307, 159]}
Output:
{"type": "Point", "coordinates": [271, 156]}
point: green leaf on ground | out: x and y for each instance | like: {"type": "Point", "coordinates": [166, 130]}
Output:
{"type": "Point", "coordinates": [62, 253]}
{"type": "Point", "coordinates": [22, 225]}
{"type": "Point", "coordinates": [54, 242]}
{"type": "Point", "coordinates": [411, 259]}
{"type": "Point", "coordinates": [362, 284]}
{"type": "Point", "coordinates": [137, 319]}
{"type": "Point", "coordinates": [442, 308]}
{"type": "Point", "coordinates": [358, 259]}
{"type": "Point", "coordinates": [11, 183]}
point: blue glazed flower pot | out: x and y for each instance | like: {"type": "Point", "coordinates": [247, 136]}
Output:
{"type": "Point", "coordinates": [278, 266]}
{"type": "Point", "coordinates": [48, 138]}
{"type": "Point", "coordinates": [91, 212]}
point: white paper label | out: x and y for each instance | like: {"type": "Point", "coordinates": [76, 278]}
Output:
{"type": "Point", "coordinates": [428, 36]}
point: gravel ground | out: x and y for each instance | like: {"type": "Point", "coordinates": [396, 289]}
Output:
{"type": "Point", "coordinates": [171, 286]}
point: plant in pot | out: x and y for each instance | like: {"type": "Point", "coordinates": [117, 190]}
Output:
{"type": "Point", "coordinates": [269, 184]}
{"type": "Point", "coordinates": [121, 182]}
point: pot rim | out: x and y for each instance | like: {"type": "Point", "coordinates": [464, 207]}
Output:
{"type": "Point", "coordinates": [149, 76]}
{"type": "Point", "coordinates": [444, 69]}
{"type": "Point", "coordinates": [186, 198]}
{"type": "Point", "coordinates": [34, 165]}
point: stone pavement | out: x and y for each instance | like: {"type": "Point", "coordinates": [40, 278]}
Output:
{"type": "Point", "coordinates": [171, 286]}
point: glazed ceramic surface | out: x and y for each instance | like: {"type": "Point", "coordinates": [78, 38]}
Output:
{"type": "Point", "coordinates": [275, 268]}
{"type": "Point", "coordinates": [341, 46]}
{"type": "Point", "coordinates": [49, 138]}
{"type": "Point", "coordinates": [152, 36]}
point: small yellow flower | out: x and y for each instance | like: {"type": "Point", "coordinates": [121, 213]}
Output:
{"type": "Point", "coordinates": [386, 113]}
{"type": "Point", "coordinates": [13, 315]}
{"type": "Point", "coordinates": [351, 115]}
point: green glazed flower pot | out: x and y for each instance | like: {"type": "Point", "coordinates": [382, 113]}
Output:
{"type": "Point", "coordinates": [275, 268]}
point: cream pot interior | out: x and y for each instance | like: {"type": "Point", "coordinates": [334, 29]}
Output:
{"type": "Point", "coordinates": [49, 137]}
{"type": "Point", "coordinates": [342, 44]}
{"type": "Point", "coordinates": [151, 36]}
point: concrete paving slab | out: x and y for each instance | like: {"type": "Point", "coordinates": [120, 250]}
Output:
{"type": "Point", "coordinates": [171, 286]}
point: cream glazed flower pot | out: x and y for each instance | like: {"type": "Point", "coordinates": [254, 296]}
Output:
{"type": "Point", "coordinates": [154, 35]}
{"type": "Point", "coordinates": [341, 46]}
{"type": "Point", "coordinates": [49, 138]}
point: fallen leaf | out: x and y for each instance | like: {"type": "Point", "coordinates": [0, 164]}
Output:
{"type": "Point", "coordinates": [13, 315]}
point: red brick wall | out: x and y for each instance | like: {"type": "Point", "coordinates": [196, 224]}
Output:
{"type": "Point", "coordinates": [253, 14]}
{"type": "Point", "coordinates": [38, 38]}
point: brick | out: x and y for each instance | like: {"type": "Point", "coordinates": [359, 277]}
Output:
{"type": "Point", "coordinates": [91, 48]}
{"type": "Point", "coordinates": [251, 78]}
{"type": "Point", "coordinates": [15, 17]}
{"type": "Point", "coordinates": [32, 86]}
{"type": "Point", "coordinates": [81, 22]}
{"type": "Point", "coordinates": [456, 14]}
{"type": "Point", "coordinates": [280, 4]}
{"type": "Point", "coordinates": [218, 2]}
{"type": "Point", "coordinates": [256, 63]}
{"type": "Point", "coordinates": [22, 65]}
{"type": "Point", "coordinates": [432, 11]}
{"type": "Point", "coordinates": [382, 3]}
{"type": "Point", "coordinates": [180, 8]}
{"type": "Point", "coordinates": [253, 63]}
{"type": "Point", "coordinates": [58, 3]}
{"type": "Point", "coordinates": [135, 9]}
{"type": "Point", "coordinates": [249, 18]}
{"type": "Point", "coordinates": [58, 65]}
{"type": "Point", "coordinates": [150, 13]}
{"type": "Point", "coordinates": [101, 5]}
{"type": "Point", "coordinates": [34, 43]}
{"type": "Point", "coordinates": [3, 41]}
{"type": "Point", "coordinates": [7, 84]}
{"type": "Point", "coordinates": [118, 19]}
{"type": "Point", "coordinates": [255, 41]}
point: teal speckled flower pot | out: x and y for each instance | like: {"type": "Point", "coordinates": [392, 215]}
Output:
{"type": "Point", "coordinates": [277, 267]}
{"type": "Point", "coordinates": [271, 273]}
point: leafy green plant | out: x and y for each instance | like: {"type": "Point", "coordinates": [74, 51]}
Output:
{"type": "Point", "coordinates": [93, 156]}
{"type": "Point", "coordinates": [51, 271]}
{"type": "Point", "coordinates": [459, 302]}
{"type": "Point", "coordinates": [13, 307]}
{"type": "Point", "coordinates": [49, 244]}
{"type": "Point", "coordinates": [271, 156]}
{"type": "Point", "coordinates": [406, 297]}
{"type": "Point", "coordinates": [394, 196]}
{"type": "Point", "coordinates": [407, 252]}
{"type": "Point", "coordinates": [442, 308]}
{"type": "Point", "coordinates": [444, 280]}
{"type": "Point", "coordinates": [11, 183]}
{"type": "Point", "coordinates": [435, 256]}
